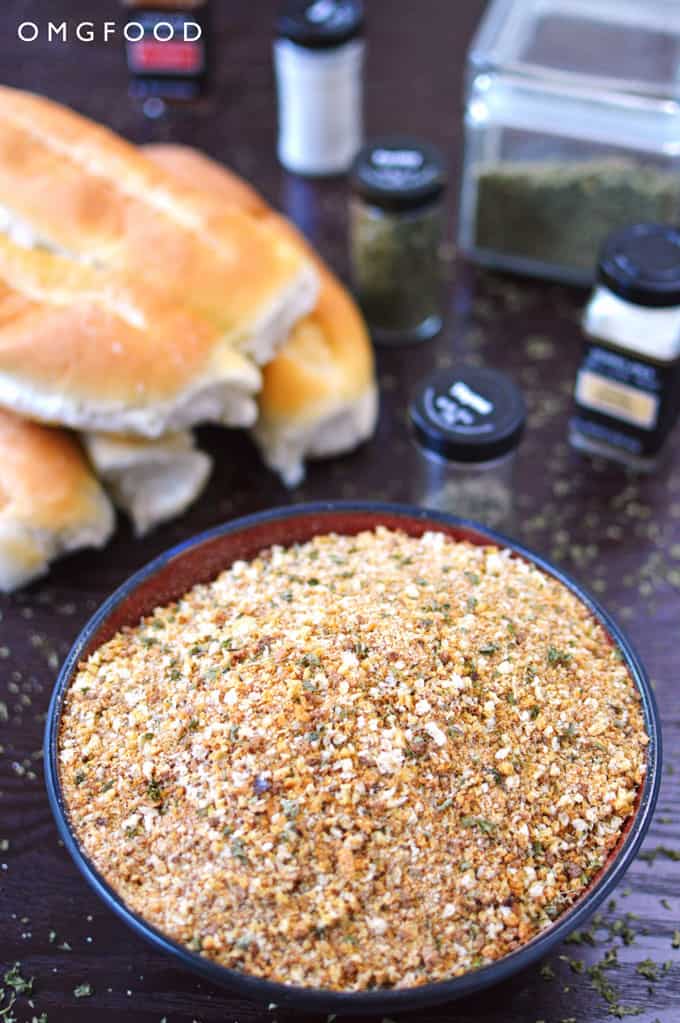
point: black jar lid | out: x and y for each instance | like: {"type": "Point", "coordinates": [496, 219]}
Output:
{"type": "Point", "coordinates": [398, 172]}
{"type": "Point", "coordinates": [320, 24]}
{"type": "Point", "coordinates": [641, 264]}
{"type": "Point", "coordinates": [468, 414]}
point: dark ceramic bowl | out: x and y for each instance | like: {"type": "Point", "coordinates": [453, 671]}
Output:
{"type": "Point", "coordinates": [201, 559]}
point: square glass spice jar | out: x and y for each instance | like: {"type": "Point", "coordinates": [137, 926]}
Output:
{"type": "Point", "coordinates": [572, 124]}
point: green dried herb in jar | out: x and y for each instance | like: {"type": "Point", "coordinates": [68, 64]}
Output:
{"type": "Point", "coordinates": [561, 213]}
{"type": "Point", "coordinates": [396, 229]}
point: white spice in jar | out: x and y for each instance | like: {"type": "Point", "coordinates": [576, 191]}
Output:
{"type": "Point", "coordinates": [318, 58]}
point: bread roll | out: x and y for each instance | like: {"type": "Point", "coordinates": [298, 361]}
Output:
{"type": "Point", "coordinates": [50, 502]}
{"type": "Point", "coordinates": [319, 395]}
{"type": "Point", "coordinates": [80, 348]}
{"type": "Point", "coordinates": [72, 185]}
{"type": "Point", "coordinates": [151, 480]}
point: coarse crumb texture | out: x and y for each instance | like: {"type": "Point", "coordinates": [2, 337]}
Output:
{"type": "Point", "coordinates": [361, 761]}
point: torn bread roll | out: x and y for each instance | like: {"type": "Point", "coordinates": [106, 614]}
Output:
{"type": "Point", "coordinates": [82, 349]}
{"type": "Point", "coordinates": [50, 502]}
{"type": "Point", "coordinates": [319, 395]}
{"type": "Point", "coordinates": [74, 186]}
{"type": "Point", "coordinates": [151, 480]}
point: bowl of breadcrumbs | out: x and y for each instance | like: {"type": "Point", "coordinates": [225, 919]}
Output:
{"type": "Point", "coordinates": [352, 757]}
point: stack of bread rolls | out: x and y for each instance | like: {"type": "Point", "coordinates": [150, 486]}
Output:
{"type": "Point", "coordinates": [142, 293]}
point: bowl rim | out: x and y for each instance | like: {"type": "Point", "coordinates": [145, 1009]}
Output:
{"type": "Point", "coordinates": [379, 1000]}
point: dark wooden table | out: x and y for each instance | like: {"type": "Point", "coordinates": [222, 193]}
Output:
{"type": "Point", "coordinates": [618, 534]}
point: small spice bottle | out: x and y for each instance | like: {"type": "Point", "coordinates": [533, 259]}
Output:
{"type": "Point", "coordinates": [467, 423]}
{"type": "Point", "coordinates": [396, 230]}
{"type": "Point", "coordinates": [166, 48]}
{"type": "Point", "coordinates": [318, 59]}
{"type": "Point", "coordinates": [627, 394]}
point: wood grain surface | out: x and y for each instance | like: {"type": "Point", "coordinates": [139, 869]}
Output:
{"type": "Point", "coordinates": [619, 535]}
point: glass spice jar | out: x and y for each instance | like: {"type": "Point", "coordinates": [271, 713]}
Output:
{"type": "Point", "coordinates": [627, 393]}
{"type": "Point", "coordinates": [467, 423]}
{"type": "Point", "coordinates": [318, 59]}
{"type": "Point", "coordinates": [396, 230]}
{"type": "Point", "coordinates": [571, 131]}
{"type": "Point", "coordinates": [166, 45]}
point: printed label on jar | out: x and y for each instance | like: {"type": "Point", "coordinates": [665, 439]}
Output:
{"type": "Point", "coordinates": [459, 409]}
{"type": "Point", "coordinates": [639, 408]}
{"type": "Point", "coordinates": [178, 49]}
{"type": "Point", "coordinates": [606, 435]}
{"type": "Point", "coordinates": [331, 13]}
{"type": "Point", "coordinates": [636, 398]}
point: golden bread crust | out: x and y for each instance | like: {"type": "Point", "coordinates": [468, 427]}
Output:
{"type": "Point", "coordinates": [77, 332]}
{"type": "Point", "coordinates": [82, 188]}
{"type": "Point", "coordinates": [327, 358]}
{"type": "Point", "coordinates": [45, 479]}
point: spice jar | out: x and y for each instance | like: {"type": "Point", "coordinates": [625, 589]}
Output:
{"type": "Point", "coordinates": [627, 393]}
{"type": "Point", "coordinates": [318, 58]}
{"type": "Point", "coordinates": [467, 423]}
{"type": "Point", "coordinates": [166, 47]}
{"type": "Point", "coordinates": [571, 129]}
{"type": "Point", "coordinates": [396, 229]}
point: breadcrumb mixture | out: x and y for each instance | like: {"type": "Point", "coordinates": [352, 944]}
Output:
{"type": "Point", "coordinates": [361, 761]}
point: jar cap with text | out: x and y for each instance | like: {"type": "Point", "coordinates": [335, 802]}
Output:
{"type": "Point", "coordinates": [468, 414]}
{"type": "Point", "coordinates": [399, 172]}
{"type": "Point", "coordinates": [320, 24]}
